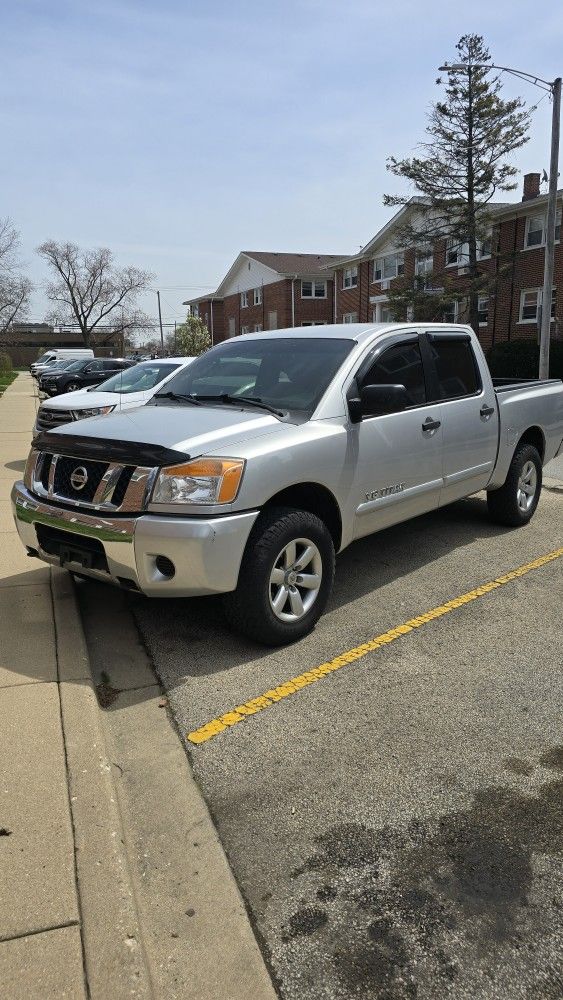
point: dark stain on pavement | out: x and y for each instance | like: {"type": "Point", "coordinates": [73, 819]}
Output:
{"type": "Point", "coordinates": [517, 766]}
{"type": "Point", "coordinates": [553, 759]}
{"type": "Point", "coordinates": [408, 895]}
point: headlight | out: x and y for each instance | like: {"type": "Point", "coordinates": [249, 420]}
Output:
{"type": "Point", "coordinates": [94, 411]}
{"type": "Point", "coordinates": [206, 480]}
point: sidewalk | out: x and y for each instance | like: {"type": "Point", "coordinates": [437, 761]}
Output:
{"type": "Point", "coordinates": [76, 919]}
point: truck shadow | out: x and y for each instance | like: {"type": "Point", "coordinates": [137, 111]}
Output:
{"type": "Point", "coordinates": [189, 637]}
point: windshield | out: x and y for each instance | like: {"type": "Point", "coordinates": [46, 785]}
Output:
{"type": "Point", "coordinates": [290, 373]}
{"type": "Point", "coordinates": [43, 359]}
{"type": "Point", "coordinates": [139, 378]}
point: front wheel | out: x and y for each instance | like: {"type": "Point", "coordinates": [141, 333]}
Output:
{"type": "Point", "coordinates": [515, 503]}
{"type": "Point", "coordinates": [72, 387]}
{"type": "Point", "coordinates": [285, 578]}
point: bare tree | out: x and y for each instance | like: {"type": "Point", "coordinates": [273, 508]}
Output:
{"type": "Point", "coordinates": [87, 289]}
{"type": "Point", "coordinates": [15, 289]}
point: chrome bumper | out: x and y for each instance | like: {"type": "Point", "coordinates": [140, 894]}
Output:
{"type": "Point", "coordinates": [206, 553]}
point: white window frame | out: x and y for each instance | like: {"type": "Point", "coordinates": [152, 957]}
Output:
{"type": "Point", "coordinates": [350, 317]}
{"type": "Point", "coordinates": [258, 296]}
{"type": "Point", "coordinates": [539, 295]}
{"type": "Point", "coordinates": [543, 218]}
{"type": "Point", "coordinates": [244, 330]}
{"type": "Point", "coordinates": [395, 271]}
{"type": "Point", "coordinates": [243, 300]}
{"type": "Point", "coordinates": [314, 283]}
{"type": "Point", "coordinates": [350, 277]}
{"type": "Point", "coordinates": [456, 313]}
{"type": "Point", "coordinates": [195, 311]}
{"type": "Point", "coordinates": [480, 243]}
{"type": "Point", "coordinates": [462, 254]}
{"type": "Point", "coordinates": [423, 265]}
{"type": "Point", "coordinates": [483, 309]}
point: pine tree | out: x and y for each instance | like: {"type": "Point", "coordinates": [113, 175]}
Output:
{"type": "Point", "coordinates": [463, 163]}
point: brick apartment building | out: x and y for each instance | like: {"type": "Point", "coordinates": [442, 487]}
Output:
{"type": "Point", "coordinates": [512, 257]}
{"type": "Point", "coordinates": [269, 291]}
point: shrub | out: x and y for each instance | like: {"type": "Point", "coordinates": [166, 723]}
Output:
{"type": "Point", "coordinates": [5, 364]}
{"type": "Point", "coordinates": [521, 358]}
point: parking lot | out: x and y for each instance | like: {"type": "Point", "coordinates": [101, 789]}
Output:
{"type": "Point", "coordinates": [395, 825]}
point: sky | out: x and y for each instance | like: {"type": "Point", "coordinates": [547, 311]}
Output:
{"type": "Point", "coordinates": [180, 132]}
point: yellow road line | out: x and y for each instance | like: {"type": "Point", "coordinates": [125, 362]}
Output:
{"type": "Point", "coordinates": [290, 687]}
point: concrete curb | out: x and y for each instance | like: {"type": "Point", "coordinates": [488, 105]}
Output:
{"type": "Point", "coordinates": [114, 956]}
{"type": "Point", "coordinates": [162, 915]}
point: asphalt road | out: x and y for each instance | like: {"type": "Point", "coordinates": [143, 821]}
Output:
{"type": "Point", "coordinates": [396, 828]}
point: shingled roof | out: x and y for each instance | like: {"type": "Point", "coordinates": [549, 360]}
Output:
{"type": "Point", "coordinates": [294, 263]}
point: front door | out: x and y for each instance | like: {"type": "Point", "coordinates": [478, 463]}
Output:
{"type": "Point", "coordinates": [399, 455]}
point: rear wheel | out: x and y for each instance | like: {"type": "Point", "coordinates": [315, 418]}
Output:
{"type": "Point", "coordinates": [515, 503]}
{"type": "Point", "coordinates": [285, 579]}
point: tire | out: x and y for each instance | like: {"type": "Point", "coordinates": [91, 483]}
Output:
{"type": "Point", "coordinates": [513, 504]}
{"type": "Point", "coordinates": [72, 387]}
{"type": "Point", "coordinates": [269, 550]}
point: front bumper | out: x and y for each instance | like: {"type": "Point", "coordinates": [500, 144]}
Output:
{"type": "Point", "coordinates": [206, 553]}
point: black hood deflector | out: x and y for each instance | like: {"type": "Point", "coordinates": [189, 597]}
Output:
{"type": "Point", "coordinates": [108, 450]}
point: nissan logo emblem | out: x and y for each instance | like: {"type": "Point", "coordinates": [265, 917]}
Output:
{"type": "Point", "coordinates": [78, 478]}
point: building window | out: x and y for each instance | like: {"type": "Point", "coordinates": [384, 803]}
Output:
{"type": "Point", "coordinates": [257, 296]}
{"type": "Point", "coordinates": [244, 329]}
{"type": "Point", "coordinates": [450, 313]}
{"type": "Point", "coordinates": [535, 230]}
{"type": "Point", "coordinates": [313, 289]}
{"type": "Point", "coordinates": [243, 300]}
{"type": "Point", "coordinates": [457, 254]}
{"type": "Point", "coordinates": [386, 314]}
{"type": "Point", "coordinates": [314, 322]}
{"type": "Point", "coordinates": [195, 311]}
{"type": "Point", "coordinates": [424, 264]}
{"type": "Point", "coordinates": [350, 278]}
{"type": "Point", "coordinates": [483, 307]}
{"type": "Point", "coordinates": [350, 318]}
{"type": "Point", "coordinates": [257, 328]}
{"type": "Point", "coordinates": [530, 303]}
{"type": "Point", "coordinates": [390, 266]}
{"type": "Point", "coordinates": [485, 246]}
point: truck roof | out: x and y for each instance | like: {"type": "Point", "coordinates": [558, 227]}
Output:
{"type": "Point", "coordinates": [347, 331]}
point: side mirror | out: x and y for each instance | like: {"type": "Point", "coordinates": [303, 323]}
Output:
{"type": "Point", "coordinates": [376, 400]}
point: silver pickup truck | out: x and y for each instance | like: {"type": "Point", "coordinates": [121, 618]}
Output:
{"type": "Point", "coordinates": [272, 452]}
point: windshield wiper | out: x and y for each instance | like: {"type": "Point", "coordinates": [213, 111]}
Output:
{"type": "Point", "coordinates": [177, 396]}
{"type": "Point", "coordinates": [226, 397]}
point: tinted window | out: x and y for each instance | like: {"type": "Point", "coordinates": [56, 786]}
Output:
{"type": "Point", "coordinates": [400, 365]}
{"type": "Point", "coordinates": [94, 366]}
{"type": "Point", "coordinates": [291, 373]}
{"type": "Point", "coordinates": [455, 367]}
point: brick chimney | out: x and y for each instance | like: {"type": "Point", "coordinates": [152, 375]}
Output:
{"type": "Point", "coordinates": [531, 186]}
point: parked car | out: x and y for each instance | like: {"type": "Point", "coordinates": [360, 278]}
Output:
{"type": "Point", "coordinates": [123, 391]}
{"type": "Point", "coordinates": [56, 367]}
{"type": "Point", "coordinates": [81, 374]}
{"type": "Point", "coordinates": [51, 357]}
{"type": "Point", "coordinates": [248, 486]}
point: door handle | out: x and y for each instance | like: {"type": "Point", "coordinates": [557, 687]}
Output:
{"type": "Point", "coordinates": [431, 425]}
{"type": "Point", "coordinates": [486, 411]}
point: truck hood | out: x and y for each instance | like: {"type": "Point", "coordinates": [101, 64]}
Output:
{"type": "Point", "coordinates": [185, 430]}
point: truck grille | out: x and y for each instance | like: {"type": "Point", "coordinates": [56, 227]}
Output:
{"type": "Point", "coordinates": [47, 419]}
{"type": "Point", "coordinates": [91, 472]}
{"type": "Point", "coordinates": [91, 484]}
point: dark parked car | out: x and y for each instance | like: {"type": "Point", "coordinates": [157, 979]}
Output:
{"type": "Point", "coordinates": [81, 374]}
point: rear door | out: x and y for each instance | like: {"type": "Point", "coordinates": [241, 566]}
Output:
{"type": "Point", "coordinates": [469, 413]}
{"type": "Point", "coordinates": [398, 455]}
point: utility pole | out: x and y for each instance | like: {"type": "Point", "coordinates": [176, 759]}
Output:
{"type": "Point", "coordinates": [160, 322]}
{"type": "Point", "coordinates": [550, 231]}
{"type": "Point", "coordinates": [175, 348]}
